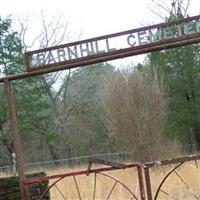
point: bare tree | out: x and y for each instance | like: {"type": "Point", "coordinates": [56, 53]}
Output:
{"type": "Point", "coordinates": [52, 31]}
{"type": "Point", "coordinates": [137, 109]}
{"type": "Point", "coordinates": [163, 8]}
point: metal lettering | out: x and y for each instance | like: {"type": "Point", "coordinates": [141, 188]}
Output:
{"type": "Point", "coordinates": [61, 55]}
{"type": "Point", "coordinates": [121, 44]}
{"type": "Point", "coordinates": [131, 40]}
{"type": "Point", "coordinates": [189, 28]}
{"type": "Point", "coordinates": [40, 58]}
{"type": "Point", "coordinates": [92, 48]}
{"type": "Point", "coordinates": [142, 39]}
{"type": "Point", "coordinates": [108, 46]}
{"type": "Point", "coordinates": [168, 33]}
{"type": "Point", "coordinates": [72, 53]}
{"type": "Point", "coordinates": [179, 30]}
{"type": "Point", "coordinates": [97, 48]}
{"type": "Point", "coordinates": [198, 25]}
{"type": "Point", "coordinates": [84, 49]}
{"type": "Point", "coordinates": [50, 58]}
{"type": "Point", "coordinates": [154, 37]}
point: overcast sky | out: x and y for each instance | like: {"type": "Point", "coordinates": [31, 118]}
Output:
{"type": "Point", "coordinates": [92, 17]}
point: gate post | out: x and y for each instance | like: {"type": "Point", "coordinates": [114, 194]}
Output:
{"type": "Point", "coordinates": [15, 134]}
{"type": "Point", "coordinates": [141, 183]}
{"type": "Point", "coordinates": [148, 182]}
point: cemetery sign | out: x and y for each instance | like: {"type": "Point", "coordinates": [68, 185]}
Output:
{"type": "Point", "coordinates": [117, 45]}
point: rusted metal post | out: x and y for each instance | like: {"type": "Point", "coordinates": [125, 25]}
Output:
{"type": "Point", "coordinates": [148, 182]}
{"type": "Point", "coordinates": [141, 183]}
{"type": "Point", "coordinates": [15, 134]}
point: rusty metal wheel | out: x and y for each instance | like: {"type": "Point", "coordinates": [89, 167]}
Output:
{"type": "Point", "coordinates": [73, 185]}
{"type": "Point", "coordinates": [181, 182]}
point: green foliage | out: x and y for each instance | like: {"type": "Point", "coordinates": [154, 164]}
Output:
{"type": "Point", "coordinates": [181, 68]}
{"type": "Point", "coordinates": [11, 50]}
{"type": "Point", "coordinates": [30, 94]}
{"type": "Point", "coordinates": [32, 106]}
{"type": "Point", "coordinates": [11, 62]}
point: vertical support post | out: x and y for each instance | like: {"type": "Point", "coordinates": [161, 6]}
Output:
{"type": "Point", "coordinates": [15, 134]}
{"type": "Point", "coordinates": [26, 190]}
{"type": "Point", "coordinates": [141, 183]}
{"type": "Point", "coordinates": [148, 182]}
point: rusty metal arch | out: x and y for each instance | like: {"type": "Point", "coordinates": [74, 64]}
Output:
{"type": "Point", "coordinates": [164, 179]}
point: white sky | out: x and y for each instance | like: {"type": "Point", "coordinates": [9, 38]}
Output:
{"type": "Point", "coordinates": [92, 17]}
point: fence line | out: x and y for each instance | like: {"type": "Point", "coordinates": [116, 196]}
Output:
{"type": "Point", "coordinates": [68, 161]}
{"type": "Point", "coordinates": [116, 156]}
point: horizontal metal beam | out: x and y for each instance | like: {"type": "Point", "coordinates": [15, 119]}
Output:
{"type": "Point", "coordinates": [108, 36]}
{"type": "Point", "coordinates": [78, 173]}
{"type": "Point", "coordinates": [184, 40]}
{"type": "Point", "coordinates": [174, 160]}
{"type": "Point", "coordinates": [107, 47]}
{"type": "Point", "coordinates": [95, 159]}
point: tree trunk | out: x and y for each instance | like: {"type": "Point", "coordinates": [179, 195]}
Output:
{"type": "Point", "coordinates": [53, 153]}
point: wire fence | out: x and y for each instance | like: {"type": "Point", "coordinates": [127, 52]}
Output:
{"type": "Point", "coordinates": [70, 162]}
{"type": "Point", "coordinates": [81, 160]}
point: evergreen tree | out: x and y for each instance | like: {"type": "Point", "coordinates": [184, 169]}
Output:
{"type": "Point", "coordinates": [31, 102]}
{"type": "Point", "coordinates": [180, 68]}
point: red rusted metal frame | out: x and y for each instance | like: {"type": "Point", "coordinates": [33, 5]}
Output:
{"type": "Point", "coordinates": [59, 177]}
{"type": "Point", "coordinates": [107, 175]}
{"type": "Point", "coordinates": [95, 159]}
{"type": "Point", "coordinates": [78, 173]}
{"type": "Point", "coordinates": [141, 182]}
{"type": "Point", "coordinates": [178, 161]}
{"type": "Point", "coordinates": [146, 167]}
{"type": "Point", "coordinates": [174, 160]}
{"type": "Point", "coordinates": [15, 134]}
{"type": "Point", "coordinates": [95, 186]}
{"type": "Point", "coordinates": [77, 188]}
{"type": "Point", "coordinates": [148, 182]}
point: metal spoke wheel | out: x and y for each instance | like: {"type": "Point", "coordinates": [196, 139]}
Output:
{"type": "Point", "coordinates": [181, 182]}
{"type": "Point", "coordinates": [95, 186]}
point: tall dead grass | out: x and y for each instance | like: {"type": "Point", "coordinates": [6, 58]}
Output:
{"type": "Point", "coordinates": [178, 189]}
{"type": "Point", "coordinates": [184, 188]}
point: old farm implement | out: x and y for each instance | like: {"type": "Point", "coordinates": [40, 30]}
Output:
{"type": "Point", "coordinates": [137, 183]}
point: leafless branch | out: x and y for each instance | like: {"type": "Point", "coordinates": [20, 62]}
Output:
{"type": "Point", "coordinates": [137, 107]}
{"type": "Point", "coordinates": [23, 29]}
{"type": "Point", "coordinates": [157, 14]}
{"type": "Point", "coordinates": [171, 7]}
{"type": "Point", "coordinates": [185, 8]}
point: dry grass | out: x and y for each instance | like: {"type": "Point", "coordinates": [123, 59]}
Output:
{"type": "Point", "coordinates": [103, 185]}
{"type": "Point", "coordinates": [184, 189]}
{"type": "Point", "coordinates": [182, 185]}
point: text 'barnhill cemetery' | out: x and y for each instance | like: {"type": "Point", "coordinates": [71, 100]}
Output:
{"type": "Point", "coordinates": [111, 43]}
